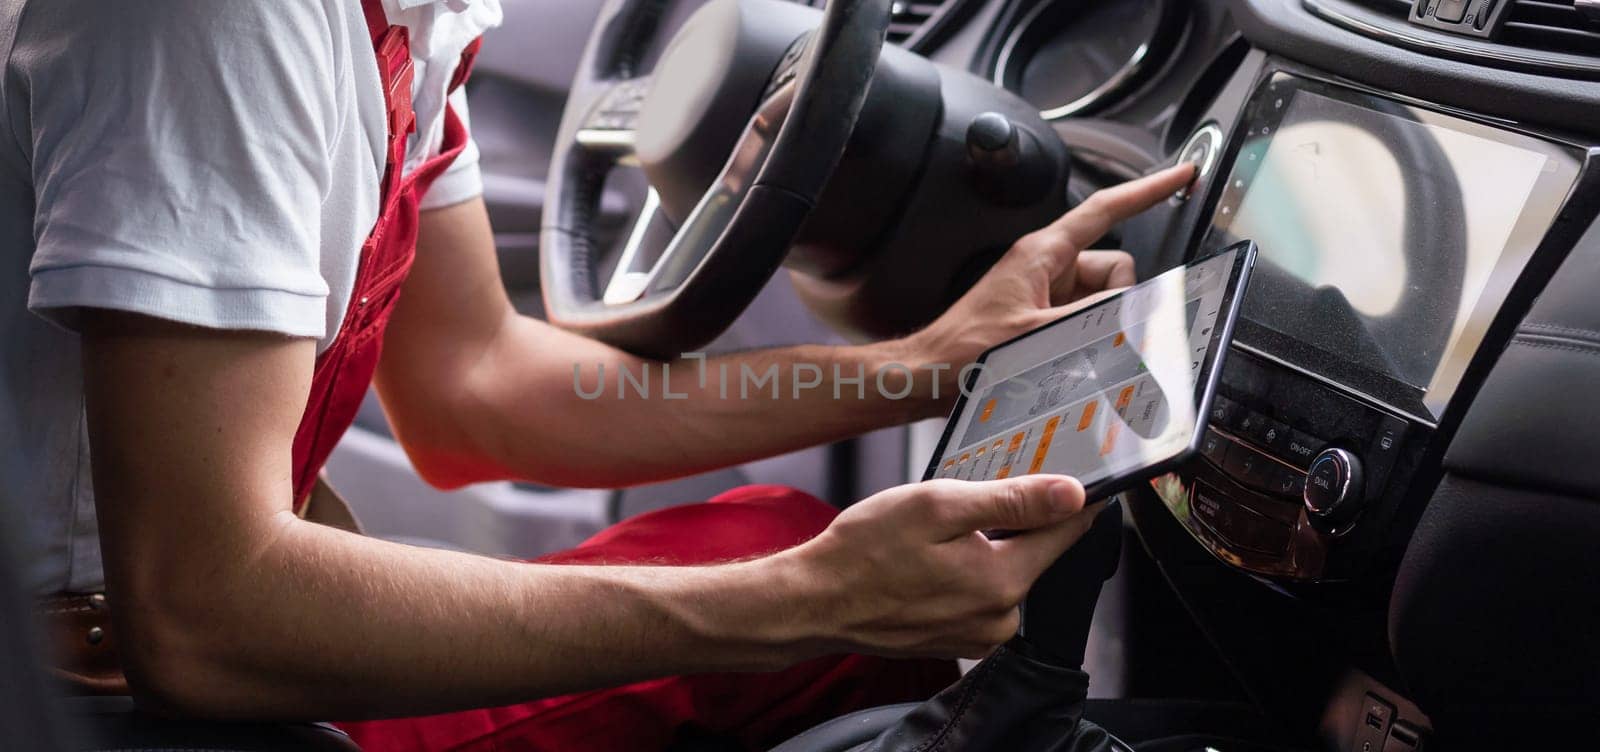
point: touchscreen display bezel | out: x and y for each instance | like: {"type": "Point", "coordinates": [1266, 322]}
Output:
{"type": "Point", "coordinates": [1258, 125]}
{"type": "Point", "coordinates": [1205, 381]}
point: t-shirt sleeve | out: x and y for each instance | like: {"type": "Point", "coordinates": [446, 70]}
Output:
{"type": "Point", "coordinates": [180, 154]}
{"type": "Point", "coordinates": [463, 180]}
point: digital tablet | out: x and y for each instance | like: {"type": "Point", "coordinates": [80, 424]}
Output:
{"type": "Point", "coordinates": [1110, 394]}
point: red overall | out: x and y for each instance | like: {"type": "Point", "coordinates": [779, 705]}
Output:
{"type": "Point", "coordinates": [757, 711]}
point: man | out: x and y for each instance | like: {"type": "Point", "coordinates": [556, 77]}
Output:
{"type": "Point", "coordinates": [194, 196]}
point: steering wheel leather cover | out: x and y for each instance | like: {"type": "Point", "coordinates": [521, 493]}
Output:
{"type": "Point", "coordinates": [736, 238]}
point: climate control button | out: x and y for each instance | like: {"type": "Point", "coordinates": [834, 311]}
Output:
{"type": "Point", "coordinates": [1249, 467]}
{"type": "Point", "coordinates": [1303, 448]}
{"type": "Point", "coordinates": [1334, 490]}
{"type": "Point", "coordinates": [1289, 483]}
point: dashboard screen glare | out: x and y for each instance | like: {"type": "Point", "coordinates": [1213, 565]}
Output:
{"type": "Point", "coordinates": [1389, 235]}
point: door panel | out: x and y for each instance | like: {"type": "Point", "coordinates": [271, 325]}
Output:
{"type": "Point", "coordinates": [539, 43]}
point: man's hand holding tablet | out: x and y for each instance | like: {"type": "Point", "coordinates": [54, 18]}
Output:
{"type": "Point", "coordinates": [936, 586]}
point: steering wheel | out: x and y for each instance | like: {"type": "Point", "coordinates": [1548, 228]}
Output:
{"type": "Point", "coordinates": [806, 88]}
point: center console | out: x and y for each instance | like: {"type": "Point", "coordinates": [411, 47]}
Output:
{"type": "Point", "coordinates": [1394, 237]}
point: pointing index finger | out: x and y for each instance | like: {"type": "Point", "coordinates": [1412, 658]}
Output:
{"type": "Point", "coordinates": [1093, 218]}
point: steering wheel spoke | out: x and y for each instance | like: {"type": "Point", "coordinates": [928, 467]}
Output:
{"type": "Point", "coordinates": [698, 235]}
{"type": "Point", "coordinates": [632, 275]}
{"type": "Point", "coordinates": [611, 127]}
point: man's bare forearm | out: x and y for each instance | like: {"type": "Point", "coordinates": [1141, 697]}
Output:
{"type": "Point", "coordinates": [597, 416]}
{"type": "Point", "coordinates": [476, 392]}
{"type": "Point", "coordinates": [227, 605]}
{"type": "Point", "coordinates": [321, 623]}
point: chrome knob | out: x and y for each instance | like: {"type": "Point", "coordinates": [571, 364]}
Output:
{"type": "Point", "coordinates": [1335, 490]}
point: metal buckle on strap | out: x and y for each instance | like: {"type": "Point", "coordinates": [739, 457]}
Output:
{"type": "Point", "coordinates": [84, 651]}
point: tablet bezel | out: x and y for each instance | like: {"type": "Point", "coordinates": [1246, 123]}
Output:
{"type": "Point", "coordinates": [1205, 384]}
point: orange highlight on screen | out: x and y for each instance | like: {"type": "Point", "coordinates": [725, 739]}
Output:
{"type": "Point", "coordinates": [1016, 442]}
{"type": "Point", "coordinates": [1044, 444]}
{"type": "Point", "coordinates": [1124, 399]}
{"type": "Point", "coordinates": [1121, 340]}
{"type": "Point", "coordinates": [1005, 472]}
{"type": "Point", "coordinates": [1111, 439]}
{"type": "Point", "coordinates": [1088, 415]}
{"type": "Point", "coordinates": [988, 411]}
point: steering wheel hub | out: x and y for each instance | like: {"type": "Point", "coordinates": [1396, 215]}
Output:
{"type": "Point", "coordinates": [710, 79]}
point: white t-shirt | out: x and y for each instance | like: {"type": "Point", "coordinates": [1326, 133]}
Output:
{"type": "Point", "coordinates": [212, 162]}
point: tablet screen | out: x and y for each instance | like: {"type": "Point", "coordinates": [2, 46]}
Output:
{"type": "Point", "coordinates": [1099, 394]}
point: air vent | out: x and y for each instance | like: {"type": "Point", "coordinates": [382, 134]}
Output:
{"type": "Point", "coordinates": [1553, 25]}
{"type": "Point", "coordinates": [909, 19]}
{"type": "Point", "coordinates": [912, 22]}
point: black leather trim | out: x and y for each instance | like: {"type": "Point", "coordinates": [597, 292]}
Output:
{"type": "Point", "coordinates": [1536, 421]}
{"type": "Point", "coordinates": [1581, 344]}
{"type": "Point", "coordinates": [1493, 615]}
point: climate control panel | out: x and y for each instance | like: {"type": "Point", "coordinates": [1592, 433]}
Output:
{"type": "Point", "coordinates": [1295, 478]}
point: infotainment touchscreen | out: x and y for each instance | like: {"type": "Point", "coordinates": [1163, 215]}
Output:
{"type": "Point", "coordinates": [1104, 393]}
{"type": "Point", "coordinates": [1390, 234]}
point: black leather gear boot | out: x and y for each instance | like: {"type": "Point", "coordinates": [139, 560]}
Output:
{"type": "Point", "coordinates": [1015, 700]}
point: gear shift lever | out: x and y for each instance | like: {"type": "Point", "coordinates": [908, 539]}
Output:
{"type": "Point", "coordinates": [1057, 612]}
{"type": "Point", "coordinates": [1029, 695]}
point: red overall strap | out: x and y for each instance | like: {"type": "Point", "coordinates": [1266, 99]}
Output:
{"type": "Point", "coordinates": [344, 371]}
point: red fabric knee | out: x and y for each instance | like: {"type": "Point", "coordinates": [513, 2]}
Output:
{"type": "Point", "coordinates": [741, 524]}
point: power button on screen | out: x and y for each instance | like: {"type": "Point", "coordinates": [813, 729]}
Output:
{"type": "Point", "coordinates": [1202, 150]}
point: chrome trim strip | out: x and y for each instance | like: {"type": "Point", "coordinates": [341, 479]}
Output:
{"type": "Point", "coordinates": [607, 140]}
{"type": "Point", "coordinates": [1106, 89]}
{"type": "Point", "coordinates": [627, 284]}
{"type": "Point", "coordinates": [1003, 62]}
